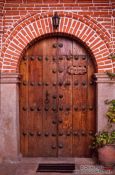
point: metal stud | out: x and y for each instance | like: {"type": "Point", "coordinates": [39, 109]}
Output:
{"type": "Point", "coordinates": [54, 109]}
{"type": "Point", "coordinates": [60, 146]}
{"type": "Point", "coordinates": [53, 147]}
{"type": "Point", "coordinates": [67, 83]}
{"type": "Point", "coordinates": [83, 108]}
{"type": "Point", "coordinates": [68, 133]}
{"type": "Point", "coordinates": [90, 108]}
{"type": "Point", "coordinates": [24, 83]}
{"type": "Point", "coordinates": [39, 83]}
{"type": "Point", "coordinates": [54, 71]}
{"type": "Point", "coordinates": [67, 108]}
{"type": "Point", "coordinates": [60, 134]}
{"type": "Point", "coordinates": [76, 57]}
{"type": "Point", "coordinates": [40, 58]}
{"type": "Point", "coordinates": [54, 96]}
{"type": "Point", "coordinates": [61, 58]}
{"type": "Point", "coordinates": [60, 83]}
{"type": "Point", "coordinates": [54, 84]}
{"type": "Point", "coordinates": [31, 134]}
{"type": "Point", "coordinates": [24, 133]}
{"type": "Point", "coordinates": [84, 83]}
{"type": "Point", "coordinates": [32, 108]}
{"type": "Point", "coordinates": [76, 83]}
{"type": "Point", "coordinates": [46, 134]}
{"type": "Point", "coordinates": [60, 121]}
{"type": "Point", "coordinates": [25, 108]}
{"type": "Point", "coordinates": [76, 133]}
{"type": "Point", "coordinates": [47, 58]}
{"type": "Point", "coordinates": [75, 108]}
{"type": "Point", "coordinates": [46, 84]}
{"type": "Point", "coordinates": [46, 108]}
{"type": "Point", "coordinates": [69, 57]}
{"type": "Point", "coordinates": [91, 82]}
{"type": "Point", "coordinates": [53, 134]}
{"type": "Point", "coordinates": [83, 58]}
{"type": "Point", "coordinates": [60, 70]}
{"type": "Point", "coordinates": [83, 133]}
{"type": "Point", "coordinates": [60, 45]}
{"type": "Point", "coordinates": [91, 133]}
{"type": "Point", "coordinates": [25, 58]}
{"type": "Point", "coordinates": [38, 133]}
{"type": "Point", "coordinates": [54, 58]}
{"type": "Point", "coordinates": [55, 45]}
{"type": "Point", "coordinates": [61, 108]}
{"type": "Point", "coordinates": [32, 83]}
{"type": "Point", "coordinates": [60, 96]}
{"type": "Point", "coordinates": [32, 57]}
{"type": "Point", "coordinates": [38, 109]}
{"type": "Point", "coordinates": [54, 122]}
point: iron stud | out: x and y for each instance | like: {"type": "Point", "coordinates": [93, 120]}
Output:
{"type": "Point", "coordinates": [53, 147]}
{"type": "Point", "coordinates": [60, 146]}
{"type": "Point", "coordinates": [75, 108]}
{"type": "Point", "coordinates": [24, 133]}
{"type": "Point", "coordinates": [25, 108]}
{"type": "Point", "coordinates": [32, 58]}
{"type": "Point", "coordinates": [38, 133]}
{"type": "Point", "coordinates": [60, 96]}
{"type": "Point", "coordinates": [46, 134]}
{"type": "Point", "coordinates": [31, 134]}
{"type": "Point", "coordinates": [40, 58]}
{"type": "Point", "coordinates": [90, 108]}
{"type": "Point", "coordinates": [24, 83]}
{"type": "Point", "coordinates": [61, 108]}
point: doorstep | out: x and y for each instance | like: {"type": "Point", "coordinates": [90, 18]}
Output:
{"type": "Point", "coordinates": [28, 166]}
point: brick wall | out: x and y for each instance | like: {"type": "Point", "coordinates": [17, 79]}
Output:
{"type": "Point", "coordinates": [92, 21]}
{"type": "Point", "coordinates": [1, 27]}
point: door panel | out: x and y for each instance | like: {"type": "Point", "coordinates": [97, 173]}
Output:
{"type": "Point", "coordinates": [49, 116]}
{"type": "Point", "coordinates": [79, 101]}
{"type": "Point", "coordinates": [65, 127]}
{"type": "Point", "coordinates": [57, 99]}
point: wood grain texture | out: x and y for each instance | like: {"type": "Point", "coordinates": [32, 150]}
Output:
{"type": "Point", "coordinates": [57, 99]}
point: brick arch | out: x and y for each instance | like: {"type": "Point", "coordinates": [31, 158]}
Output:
{"type": "Point", "coordinates": [84, 28]}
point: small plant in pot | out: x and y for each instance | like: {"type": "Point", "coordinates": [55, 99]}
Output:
{"type": "Point", "coordinates": [111, 111]}
{"type": "Point", "coordinates": [104, 141]}
{"type": "Point", "coordinates": [104, 144]}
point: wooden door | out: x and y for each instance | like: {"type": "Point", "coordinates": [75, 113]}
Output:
{"type": "Point", "coordinates": [57, 99]}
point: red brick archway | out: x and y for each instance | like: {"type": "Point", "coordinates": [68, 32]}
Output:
{"type": "Point", "coordinates": [36, 25]}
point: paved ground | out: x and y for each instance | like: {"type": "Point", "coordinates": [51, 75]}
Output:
{"type": "Point", "coordinates": [29, 166]}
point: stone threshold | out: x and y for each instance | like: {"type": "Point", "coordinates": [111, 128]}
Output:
{"type": "Point", "coordinates": [75, 160]}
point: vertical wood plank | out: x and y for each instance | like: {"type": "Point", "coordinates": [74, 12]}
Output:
{"type": "Point", "coordinates": [65, 115]}
{"type": "Point", "coordinates": [23, 106]}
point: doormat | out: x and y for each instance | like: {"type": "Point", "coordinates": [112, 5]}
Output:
{"type": "Point", "coordinates": [56, 167]}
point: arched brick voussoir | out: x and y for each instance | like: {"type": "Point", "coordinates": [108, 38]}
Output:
{"type": "Point", "coordinates": [36, 26]}
{"type": "Point", "coordinates": [89, 36]}
{"type": "Point", "coordinates": [88, 20]}
{"type": "Point", "coordinates": [23, 38]}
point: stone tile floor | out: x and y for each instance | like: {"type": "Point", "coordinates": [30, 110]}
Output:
{"type": "Point", "coordinates": [29, 166]}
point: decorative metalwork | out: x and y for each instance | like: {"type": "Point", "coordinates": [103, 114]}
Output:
{"type": "Point", "coordinates": [77, 70]}
{"type": "Point", "coordinates": [57, 45]}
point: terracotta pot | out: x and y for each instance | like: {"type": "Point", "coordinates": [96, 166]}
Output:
{"type": "Point", "coordinates": [106, 155]}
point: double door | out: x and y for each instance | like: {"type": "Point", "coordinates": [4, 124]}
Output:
{"type": "Point", "coordinates": [57, 99]}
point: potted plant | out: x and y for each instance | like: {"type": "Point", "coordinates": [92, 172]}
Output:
{"type": "Point", "coordinates": [104, 141]}
{"type": "Point", "coordinates": [104, 144]}
{"type": "Point", "coordinates": [111, 111]}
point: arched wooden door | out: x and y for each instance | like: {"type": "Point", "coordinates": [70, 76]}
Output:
{"type": "Point", "coordinates": [57, 99]}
